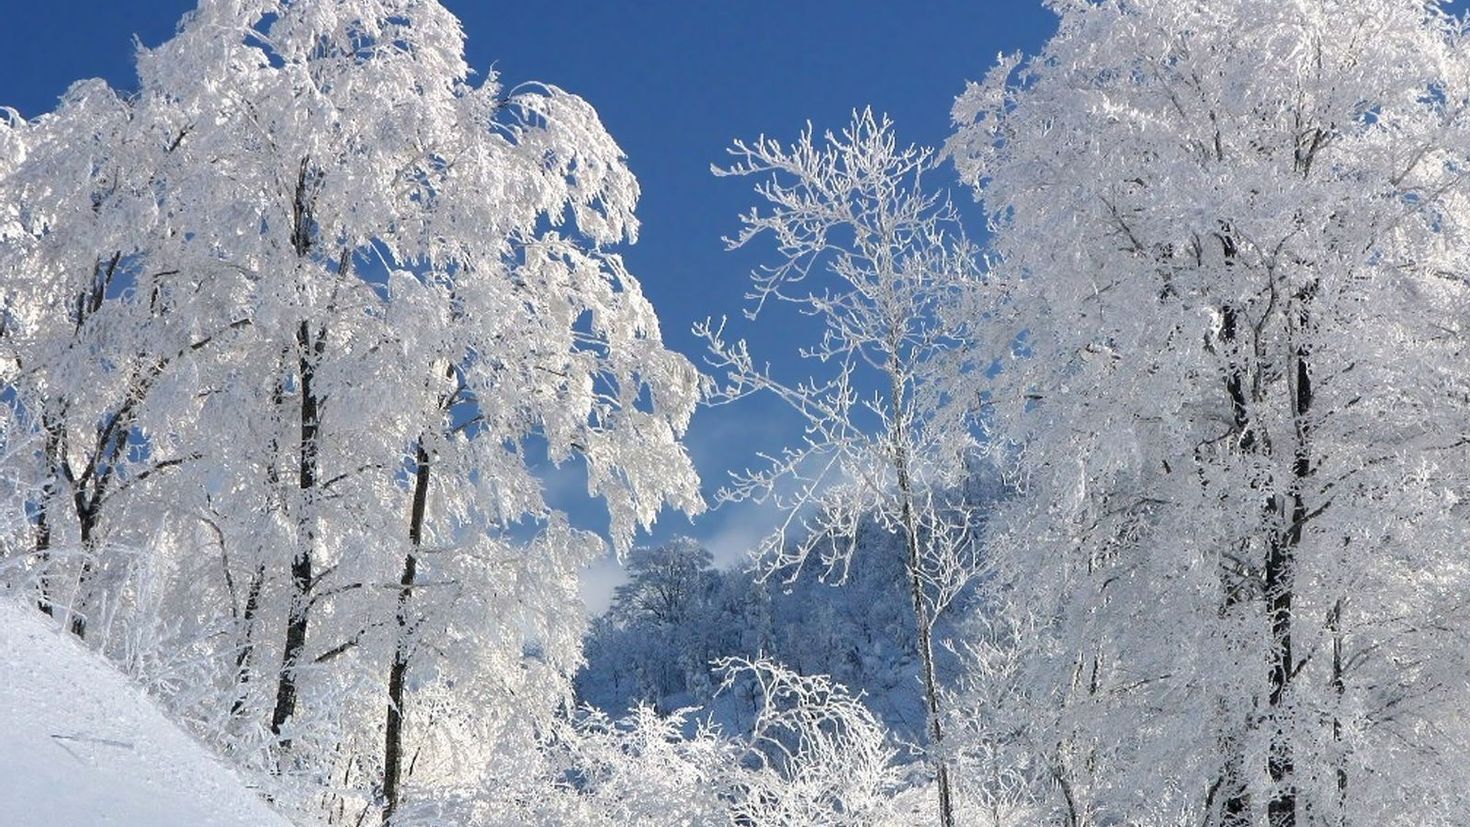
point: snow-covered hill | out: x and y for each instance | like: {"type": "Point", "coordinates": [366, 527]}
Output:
{"type": "Point", "coordinates": [80, 745]}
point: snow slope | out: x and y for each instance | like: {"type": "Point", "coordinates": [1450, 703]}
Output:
{"type": "Point", "coordinates": [80, 745]}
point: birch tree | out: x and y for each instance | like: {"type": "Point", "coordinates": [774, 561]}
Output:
{"type": "Point", "coordinates": [95, 327]}
{"type": "Point", "coordinates": [1230, 277]}
{"type": "Point", "coordinates": [415, 271]}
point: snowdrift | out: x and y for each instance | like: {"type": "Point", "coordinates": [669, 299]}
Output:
{"type": "Point", "coordinates": [80, 745]}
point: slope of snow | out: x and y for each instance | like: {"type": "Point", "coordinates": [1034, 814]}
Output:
{"type": "Point", "coordinates": [80, 745]}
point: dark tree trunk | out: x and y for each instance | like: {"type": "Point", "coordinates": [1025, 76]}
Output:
{"type": "Point", "coordinates": [1280, 586]}
{"type": "Point", "coordinates": [247, 646]}
{"type": "Point", "coordinates": [273, 503]}
{"type": "Point", "coordinates": [296, 628]}
{"type": "Point", "coordinates": [43, 553]}
{"type": "Point", "coordinates": [87, 522]}
{"type": "Point", "coordinates": [309, 350]}
{"type": "Point", "coordinates": [54, 439]}
{"type": "Point", "coordinates": [90, 489]}
{"type": "Point", "coordinates": [1233, 784]}
{"type": "Point", "coordinates": [298, 618]}
{"type": "Point", "coordinates": [393, 740]}
{"type": "Point", "coordinates": [1339, 688]}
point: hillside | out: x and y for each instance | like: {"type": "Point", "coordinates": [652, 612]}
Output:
{"type": "Point", "coordinates": [80, 745]}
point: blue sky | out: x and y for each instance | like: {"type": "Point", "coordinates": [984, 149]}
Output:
{"type": "Point", "coordinates": [674, 81]}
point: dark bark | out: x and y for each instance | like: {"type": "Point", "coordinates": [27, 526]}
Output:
{"type": "Point", "coordinates": [247, 645]}
{"type": "Point", "coordinates": [1233, 783]}
{"type": "Point", "coordinates": [55, 436]}
{"type": "Point", "coordinates": [1068, 798]}
{"type": "Point", "coordinates": [1339, 688]}
{"type": "Point", "coordinates": [87, 522]}
{"type": "Point", "coordinates": [43, 555]}
{"type": "Point", "coordinates": [88, 493]}
{"type": "Point", "coordinates": [310, 346]}
{"type": "Point", "coordinates": [273, 503]}
{"type": "Point", "coordinates": [1280, 586]}
{"type": "Point", "coordinates": [398, 671]}
{"type": "Point", "coordinates": [298, 617]}
{"type": "Point", "coordinates": [90, 488]}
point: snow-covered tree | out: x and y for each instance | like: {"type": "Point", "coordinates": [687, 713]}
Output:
{"type": "Point", "coordinates": [663, 582]}
{"type": "Point", "coordinates": [1230, 273]}
{"type": "Point", "coordinates": [878, 261]}
{"type": "Point", "coordinates": [822, 757]}
{"type": "Point", "coordinates": [817, 755]}
{"type": "Point", "coordinates": [93, 330]}
{"type": "Point", "coordinates": [677, 615]}
{"type": "Point", "coordinates": [362, 295]}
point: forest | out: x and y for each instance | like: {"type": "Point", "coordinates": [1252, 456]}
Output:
{"type": "Point", "coordinates": [1131, 493]}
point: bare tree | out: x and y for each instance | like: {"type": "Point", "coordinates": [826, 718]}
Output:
{"type": "Point", "coordinates": [879, 263]}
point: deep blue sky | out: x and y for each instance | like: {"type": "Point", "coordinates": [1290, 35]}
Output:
{"type": "Point", "coordinates": [675, 81]}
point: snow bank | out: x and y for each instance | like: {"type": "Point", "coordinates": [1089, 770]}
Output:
{"type": "Point", "coordinates": [80, 745]}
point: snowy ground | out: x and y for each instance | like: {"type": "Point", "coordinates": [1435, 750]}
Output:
{"type": "Point", "coordinates": [81, 746]}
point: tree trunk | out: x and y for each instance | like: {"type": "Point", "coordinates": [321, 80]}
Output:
{"type": "Point", "coordinates": [1334, 626]}
{"type": "Point", "coordinates": [926, 656]}
{"type": "Point", "coordinates": [273, 503]}
{"type": "Point", "coordinates": [1233, 783]}
{"type": "Point", "coordinates": [393, 740]}
{"type": "Point", "coordinates": [43, 552]}
{"type": "Point", "coordinates": [89, 493]}
{"type": "Point", "coordinates": [922, 618]}
{"type": "Point", "coordinates": [54, 439]}
{"type": "Point", "coordinates": [298, 617]}
{"type": "Point", "coordinates": [247, 646]}
{"type": "Point", "coordinates": [87, 522]}
{"type": "Point", "coordinates": [1280, 586]}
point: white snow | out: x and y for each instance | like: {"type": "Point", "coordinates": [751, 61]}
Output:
{"type": "Point", "coordinates": [80, 745]}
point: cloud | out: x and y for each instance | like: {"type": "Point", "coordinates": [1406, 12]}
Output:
{"type": "Point", "coordinates": [598, 581]}
{"type": "Point", "coordinates": [721, 439]}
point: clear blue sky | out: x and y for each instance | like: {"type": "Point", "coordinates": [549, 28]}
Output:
{"type": "Point", "coordinates": [675, 81]}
